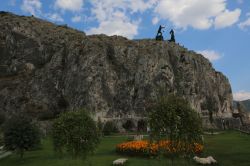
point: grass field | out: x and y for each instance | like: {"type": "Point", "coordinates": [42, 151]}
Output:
{"type": "Point", "coordinates": [229, 149]}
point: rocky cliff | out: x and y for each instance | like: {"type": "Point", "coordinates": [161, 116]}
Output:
{"type": "Point", "coordinates": [245, 104]}
{"type": "Point", "coordinates": [46, 69]}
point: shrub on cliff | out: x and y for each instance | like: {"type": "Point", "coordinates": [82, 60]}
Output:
{"type": "Point", "coordinates": [76, 133]}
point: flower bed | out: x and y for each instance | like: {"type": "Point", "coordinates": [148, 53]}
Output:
{"type": "Point", "coordinates": [145, 148]}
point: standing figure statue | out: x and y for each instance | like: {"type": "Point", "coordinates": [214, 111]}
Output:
{"type": "Point", "coordinates": [159, 33]}
{"type": "Point", "coordinates": [172, 39]}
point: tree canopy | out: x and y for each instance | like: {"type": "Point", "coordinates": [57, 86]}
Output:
{"type": "Point", "coordinates": [173, 118]}
{"type": "Point", "coordinates": [75, 132]}
{"type": "Point", "coordinates": [20, 134]}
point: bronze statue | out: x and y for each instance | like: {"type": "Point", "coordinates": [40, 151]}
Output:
{"type": "Point", "coordinates": [159, 34]}
{"type": "Point", "coordinates": [172, 39]}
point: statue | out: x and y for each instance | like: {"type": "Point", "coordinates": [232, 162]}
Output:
{"type": "Point", "coordinates": [159, 34]}
{"type": "Point", "coordinates": [172, 39]}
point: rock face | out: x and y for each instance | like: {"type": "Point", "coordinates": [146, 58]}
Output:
{"type": "Point", "coordinates": [46, 69]}
{"type": "Point", "coordinates": [245, 104]}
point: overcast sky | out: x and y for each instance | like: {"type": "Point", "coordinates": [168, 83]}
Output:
{"type": "Point", "coordinates": [219, 29]}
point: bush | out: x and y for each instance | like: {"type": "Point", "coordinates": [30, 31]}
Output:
{"type": "Point", "coordinates": [20, 134]}
{"type": "Point", "coordinates": [128, 125]}
{"type": "Point", "coordinates": [76, 133]}
{"type": "Point", "coordinates": [110, 128]}
{"type": "Point", "coordinates": [46, 115]}
{"type": "Point", "coordinates": [142, 126]}
{"type": "Point", "coordinates": [2, 118]}
{"type": "Point", "coordinates": [1, 140]}
{"type": "Point", "coordinates": [100, 125]}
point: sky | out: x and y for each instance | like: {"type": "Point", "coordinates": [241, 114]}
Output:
{"type": "Point", "coordinates": [218, 29]}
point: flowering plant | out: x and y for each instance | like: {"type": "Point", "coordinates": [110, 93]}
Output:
{"type": "Point", "coordinates": [147, 148]}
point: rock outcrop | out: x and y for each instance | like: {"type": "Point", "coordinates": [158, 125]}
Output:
{"type": "Point", "coordinates": [46, 69]}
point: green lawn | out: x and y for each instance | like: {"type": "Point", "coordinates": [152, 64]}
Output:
{"type": "Point", "coordinates": [229, 149]}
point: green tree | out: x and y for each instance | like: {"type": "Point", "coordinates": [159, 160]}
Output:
{"type": "Point", "coordinates": [128, 125]}
{"type": "Point", "coordinates": [2, 118]}
{"type": "Point", "coordinates": [75, 132]}
{"type": "Point", "coordinates": [211, 109]}
{"type": "Point", "coordinates": [142, 125]}
{"type": "Point", "coordinates": [100, 126]}
{"type": "Point", "coordinates": [109, 128]}
{"type": "Point", "coordinates": [173, 118]}
{"type": "Point", "coordinates": [20, 134]}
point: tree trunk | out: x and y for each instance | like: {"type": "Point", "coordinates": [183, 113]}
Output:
{"type": "Point", "coordinates": [21, 154]}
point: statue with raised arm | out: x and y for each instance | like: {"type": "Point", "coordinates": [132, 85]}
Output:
{"type": "Point", "coordinates": [159, 35]}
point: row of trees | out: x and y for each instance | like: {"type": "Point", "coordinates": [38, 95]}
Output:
{"type": "Point", "coordinates": [110, 127]}
{"type": "Point", "coordinates": [76, 133]}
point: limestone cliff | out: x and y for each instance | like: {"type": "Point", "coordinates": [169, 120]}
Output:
{"type": "Point", "coordinates": [46, 68]}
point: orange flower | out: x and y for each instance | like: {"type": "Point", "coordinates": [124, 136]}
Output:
{"type": "Point", "coordinates": [146, 148]}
